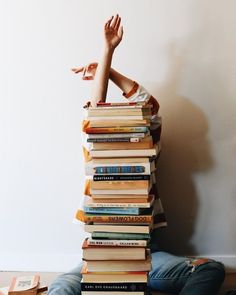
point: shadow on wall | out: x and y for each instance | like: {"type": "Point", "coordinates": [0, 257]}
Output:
{"type": "Point", "coordinates": [185, 151]}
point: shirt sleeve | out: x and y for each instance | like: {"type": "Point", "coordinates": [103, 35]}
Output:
{"type": "Point", "coordinates": [138, 93]}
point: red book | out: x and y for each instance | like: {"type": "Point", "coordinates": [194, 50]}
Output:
{"type": "Point", "coordinates": [114, 104]}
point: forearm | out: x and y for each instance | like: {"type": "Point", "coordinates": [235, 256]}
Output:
{"type": "Point", "coordinates": [101, 79]}
{"type": "Point", "coordinates": [123, 82]}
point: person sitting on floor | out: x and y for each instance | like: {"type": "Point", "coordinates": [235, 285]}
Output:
{"type": "Point", "coordinates": [170, 273]}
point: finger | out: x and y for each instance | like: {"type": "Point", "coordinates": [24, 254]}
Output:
{"type": "Point", "coordinates": [77, 70]}
{"type": "Point", "coordinates": [87, 78]}
{"type": "Point", "coordinates": [84, 72]}
{"type": "Point", "coordinates": [91, 67]}
{"type": "Point", "coordinates": [107, 24]}
{"type": "Point", "coordinates": [117, 24]}
{"type": "Point", "coordinates": [114, 21]}
{"type": "Point", "coordinates": [120, 32]}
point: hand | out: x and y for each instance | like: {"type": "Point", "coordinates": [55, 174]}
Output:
{"type": "Point", "coordinates": [113, 32]}
{"type": "Point", "coordinates": [88, 72]}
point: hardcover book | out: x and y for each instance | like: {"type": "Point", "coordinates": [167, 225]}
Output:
{"type": "Point", "coordinates": [112, 253]}
{"type": "Point", "coordinates": [112, 287]}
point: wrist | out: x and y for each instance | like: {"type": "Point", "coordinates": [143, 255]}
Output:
{"type": "Point", "coordinates": [107, 50]}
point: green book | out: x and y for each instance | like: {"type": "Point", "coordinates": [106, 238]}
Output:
{"type": "Point", "coordinates": [120, 236]}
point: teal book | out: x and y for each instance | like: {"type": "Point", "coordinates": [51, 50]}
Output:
{"type": "Point", "coordinates": [120, 236]}
{"type": "Point", "coordinates": [113, 210]}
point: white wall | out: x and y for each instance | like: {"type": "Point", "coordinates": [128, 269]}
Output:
{"type": "Point", "coordinates": [183, 51]}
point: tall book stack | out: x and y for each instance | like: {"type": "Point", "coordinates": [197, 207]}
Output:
{"type": "Point", "coordinates": [121, 207]}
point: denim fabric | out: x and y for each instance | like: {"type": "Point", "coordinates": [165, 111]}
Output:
{"type": "Point", "coordinates": [177, 275]}
{"type": "Point", "coordinates": [67, 283]}
{"type": "Point", "coordinates": [170, 274]}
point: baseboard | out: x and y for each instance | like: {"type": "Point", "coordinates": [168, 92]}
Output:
{"type": "Point", "coordinates": [64, 262]}
{"type": "Point", "coordinates": [228, 260]}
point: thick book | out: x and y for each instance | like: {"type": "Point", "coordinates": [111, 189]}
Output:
{"type": "Point", "coordinates": [120, 185]}
{"type": "Point", "coordinates": [108, 177]}
{"type": "Point", "coordinates": [116, 167]}
{"type": "Point", "coordinates": [138, 198]}
{"type": "Point", "coordinates": [112, 287]}
{"type": "Point", "coordinates": [95, 218]}
{"type": "Point", "coordinates": [91, 203]}
{"type": "Point", "coordinates": [120, 236]}
{"type": "Point", "coordinates": [141, 229]}
{"type": "Point", "coordinates": [124, 153]}
{"type": "Point", "coordinates": [119, 265]}
{"type": "Point", "coordinates": [118, 123]}
{"type": "Point", "coordinates": [132, 278]}
{"type": "Point", "coordinates": [112, 253]}
{"type": "Point", "coordinates": [145, 143]}
{"type": "Point", "coordinates": [129, 187]}
{"type": "Point", "coordinates": [117, 243]}
{"type": "Point", "coordinates": [131, 129]}
{"type": "Point", "coordinates": [119, 111]}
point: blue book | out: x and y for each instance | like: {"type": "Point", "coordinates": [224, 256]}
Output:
{"type": "Point", "coordinates": [113, 210]}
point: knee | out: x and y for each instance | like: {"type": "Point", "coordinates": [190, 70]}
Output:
{"type": "Point", "coordinates": [66, 284]}
{"type": "Point", "coordinates": [216, 270]}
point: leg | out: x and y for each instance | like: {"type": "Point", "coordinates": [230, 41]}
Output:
{"type": "Point", "coordinates": [67, 283]}
{"type": "Point", "coordinates": [176, 275]}
{"type": "Point", "coordinates": [205, 280]}
{"type": "Point", "coordinates": [169, 273]}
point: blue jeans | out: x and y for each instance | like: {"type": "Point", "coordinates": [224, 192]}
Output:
{"type": "Point", "coordinates": [171, 274]}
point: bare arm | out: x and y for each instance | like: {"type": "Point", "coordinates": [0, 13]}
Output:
{"type": "Point", "coordinates": [113, 33]}
{"type": "Point", "coordinates": [102, 71]}
{"type": "Point", "coordinates": [121, 81]}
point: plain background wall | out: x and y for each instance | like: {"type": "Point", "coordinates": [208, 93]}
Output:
{"type": "Point", "coordinates": [183, 51]}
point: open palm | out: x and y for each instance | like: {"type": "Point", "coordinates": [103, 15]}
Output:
{"type": "Point", "coordinates": [113, 32]}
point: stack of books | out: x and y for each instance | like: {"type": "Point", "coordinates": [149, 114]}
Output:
{"type": "Point", "coordinates": [121, 207]}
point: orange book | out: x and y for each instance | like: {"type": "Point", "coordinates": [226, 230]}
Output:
{"type": "Point", "coordinates": [120, 185]}
{"type": "Point", "coordinates": [24, 285]}
{"type": "Point", "coordinates": [97, 218]}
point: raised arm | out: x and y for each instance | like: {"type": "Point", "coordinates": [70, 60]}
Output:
{"type": "Point", "coordinates": [113, 32]}
{"type": "Point", "coordinates": [101, 72]}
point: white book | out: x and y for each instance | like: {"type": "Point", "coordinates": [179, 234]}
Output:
{"type": "Point", "coordinates": [142, 229]}
{"type": "Point", "coordinates": [126, 153]}
{"type": "Point", "coordinates": [93, 204]}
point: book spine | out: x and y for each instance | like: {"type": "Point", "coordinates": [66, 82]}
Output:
{"type": "Point", "coordinates": [120, 236]}
{"type": "Point", "coordinates": [117, 243]}
{"type": "Point", "coordinates": [108, 104]}
{"type": "Point", "coordinates": [125, 286]}
{"type": "Point", "coordinates": [128, 211]}
{"type": "Point", "coordinates": [119, 169]}
{"type": "Point", "coordinates": [139, 219]}
{"type": "Point", "coordinates": [118, 205]}
{"type": "Point", "coordinates": [121, 139]}
{"type": "Point", "coordinates": [116, 130]}
{"type": "Point", "coordinates": [120, 177]}
{"type": "Point", "coordinates": [119, 135]}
